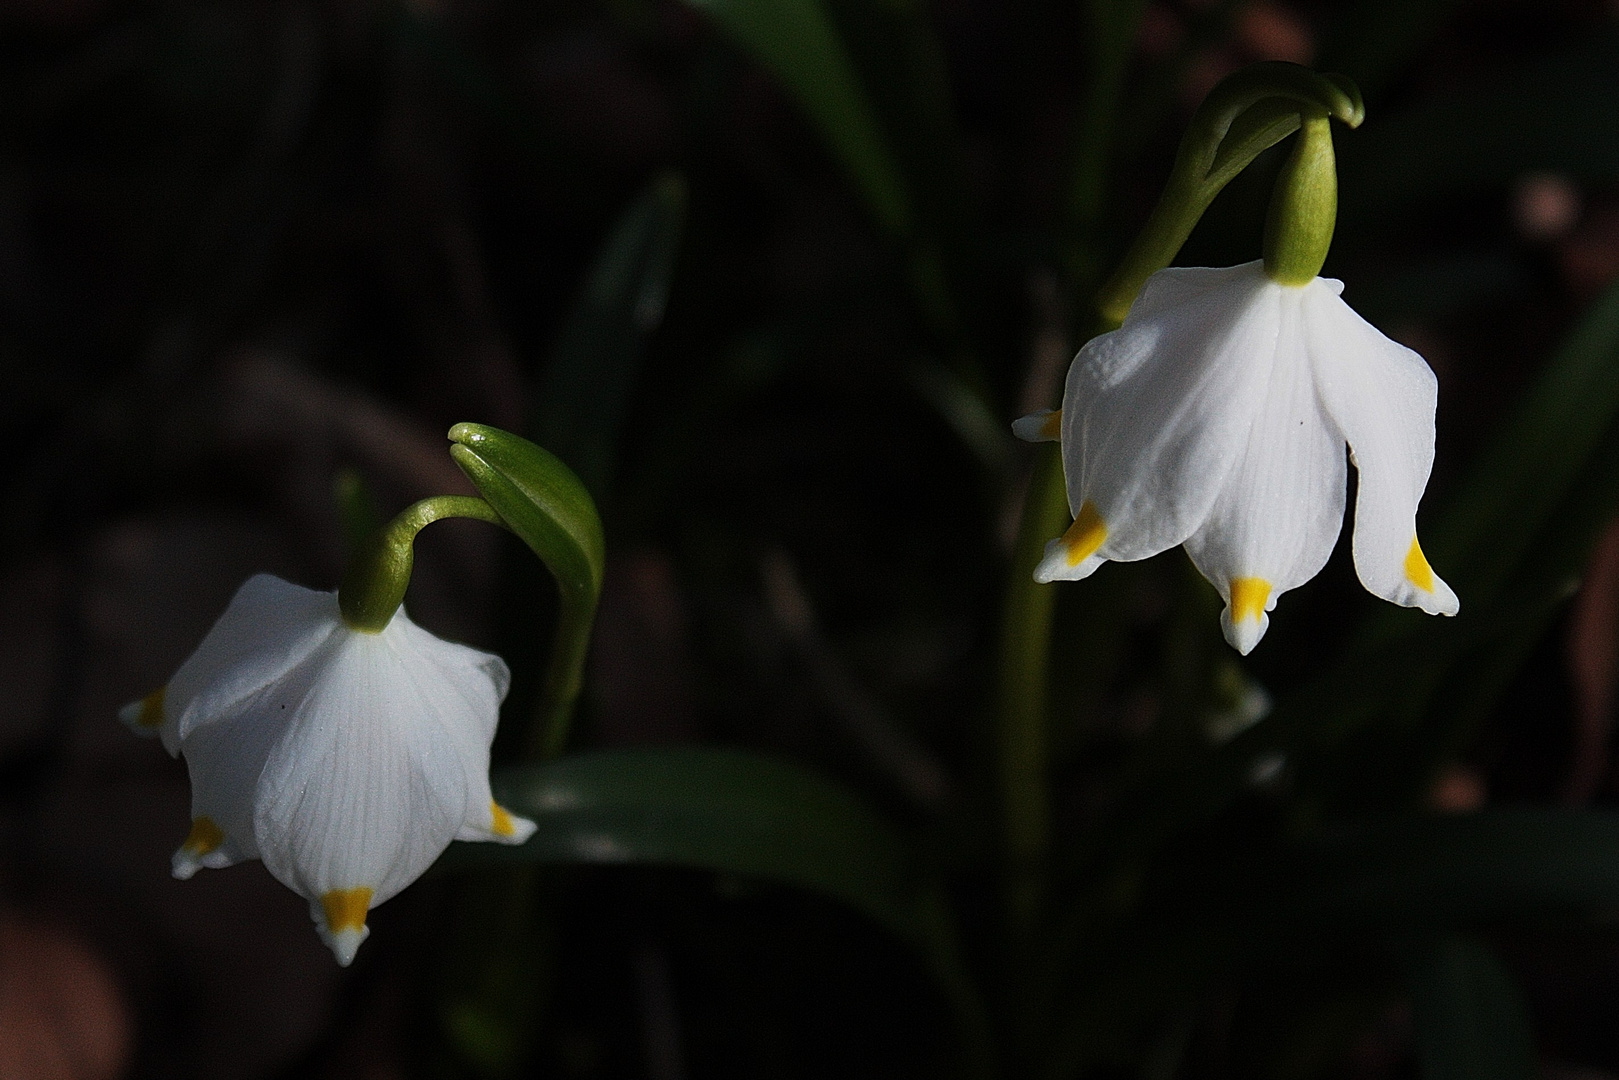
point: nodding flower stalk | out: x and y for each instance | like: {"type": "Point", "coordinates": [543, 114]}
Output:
{"type": "Point", "coordinates": [1218, 414]}
{"type": "Point", "coordinates": [1248, 112]}
{"type": "Point", "coordinates": [331, 737]}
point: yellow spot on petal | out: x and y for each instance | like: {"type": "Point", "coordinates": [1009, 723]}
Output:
{"type": "Point", "coordinates": [1051, 426]}
{"type": "Point", "coordinates": [205, 836]}
{"type": "Point", "coordinates": [151, 711]}
{"type": "Point", "coordinates": [1248, 596]}
{"type": "Point", "coordinates": [1085, 535]}
{"type": "Point", "coordinates": [1417, 570]}
{"type": "Point", "coordinates": [345, 909]}
{"type": "Point", "coordinates": [501, 823]}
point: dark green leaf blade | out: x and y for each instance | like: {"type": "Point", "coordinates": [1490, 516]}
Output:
{"type": "Point", "coordinates": [582, 396]}
{"type": "Point", "coordinates": [797, 42]}
{"type": "Point", "coordinates": [739, 813]}
{"type": "Point", "coordinates": [715, 809]}
{"type": "Point", "coordinates": [1470, 1017]}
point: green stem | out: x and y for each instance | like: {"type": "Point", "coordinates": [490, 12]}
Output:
{"type": "Point", "coordinates": [564, 678]}
{"type": "Point", "coordinates": [1247, 113]}
{"type": "Point", "coordinates": [375, 582]}
{"type": "Point", "coordinates": [1025, 657]}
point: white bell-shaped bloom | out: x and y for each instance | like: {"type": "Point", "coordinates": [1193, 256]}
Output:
{"type": "Point", "coordinates": [346, 760]}
{"type": "Point", "coordinates": [1216, 416]}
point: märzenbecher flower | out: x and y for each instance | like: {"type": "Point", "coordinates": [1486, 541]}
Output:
{"type": "Point", "coordinates": [346, 760]}
{"type": "Point", "coordinates": [1216, 416]}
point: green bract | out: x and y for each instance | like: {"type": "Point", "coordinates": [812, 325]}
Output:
{"type": "Point", "coordinates": [542, 501]}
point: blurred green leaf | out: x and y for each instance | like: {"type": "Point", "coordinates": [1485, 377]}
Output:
{"type": "Point", "coordinates": [1470, 1018]}
{"type": "Point", "coordinates": [797, 42]}
{"type": "Point", "coordinates": [739, 813]}
{"type": "Point", "coordinates": [901, 64]}
{"type": "Point", "coordinates": [543, 502]}
{"type": "Point", "coordinates": [584, 393]}
{"type": "Point", "coordinates": [1552, 115]}
{"type": "Point", "coordinates": [722, 810]}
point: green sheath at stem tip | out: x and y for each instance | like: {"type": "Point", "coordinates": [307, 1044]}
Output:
{"type": "Point", "coordinates": [376, 579]}
{"type": "Point", "coordinates": [1247, 113]}
{"type": "Point", "coordinates": [1303, 207]}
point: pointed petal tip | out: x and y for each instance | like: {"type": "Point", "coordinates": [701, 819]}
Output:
{"type": "Point", "coordinates": [1056, 565]}
{"type": "Point", "coordinates": [340, 921]}
{"type": "Point", "coordinates": [144, 717]}
{"type": "Point", "coordinates": [1039, 427]}
{"type": "Point", "coordinates": [1243, 634]}
{"type": "Point", "coordinates": [345, 943]}
{"type": "Point", "coordinates": [506, 827]}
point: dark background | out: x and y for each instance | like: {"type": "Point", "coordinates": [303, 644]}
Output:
{"type": "Point", "coordinates": [249, 250]}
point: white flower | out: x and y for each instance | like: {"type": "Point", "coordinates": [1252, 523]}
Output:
{"type": "Point", "coordinates": [346, 760]}
{"type": "Point", "coordinates": [1216, 417]}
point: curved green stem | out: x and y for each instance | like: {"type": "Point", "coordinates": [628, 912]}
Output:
{"type": "Point", "coordinates": [376, 579]}
{"type": "Point", "coordinates": [1244, 115]}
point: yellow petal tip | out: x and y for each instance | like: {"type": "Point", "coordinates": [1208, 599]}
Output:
{"type": "Point", "coordinates": [1248, 598]}
{"type": "Point", "coordinates": [345, 909]}
{"type": "Point", "coordinates": [205, 837]}
{"type": "Point", "coordinates": [1417, 570]}
{"type": "Point", "coordinates": [500, 820]}
{"type": "Point", "coordinates": [145, 714]}
{"type": "Point", "coordinates": [1085, 535]}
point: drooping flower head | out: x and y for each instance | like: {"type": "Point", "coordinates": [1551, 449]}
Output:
{"type": "Point", "coordinates": [346, 760]}
{"type": "Point", "coordinates": [334, 739]}
{"type": "Point", "coordinates": [1217, 416]}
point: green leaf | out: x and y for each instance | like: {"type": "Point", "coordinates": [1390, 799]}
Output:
{"type": "Point", "coordinates": [583, 395]}
{"type": "Point", "coordinates": [901, 65]}
{"type": "Point", "coordinates": [542, 501]}
{"type": "Point", "coordinates": [714, 809]}
{"type": "Point", "coordinates": [798, 44]}
{"type": "Point", "coordinates": [1470, 1018]}
{"type": "Point", "coordinates": [738, 813]}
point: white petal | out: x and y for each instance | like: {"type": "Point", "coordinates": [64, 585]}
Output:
{"type": "Point", "coordinates": [493, 822]}
{"type": "Point", "coordinates": [147, 717]}
{"type": "Point", "coordinates": [206, 846]}
{"type": "Point", "coordinates": [227, 758]}
{"type": "Point", "coordinates": [1279, 515]}
{"type": "Point", "coordinates": [1156, 413]}
{"type": "Point", "coordinates": [269, 628]}
{"type": "Point", "coordinates": [1382, 397]}
{"type": "Point", "coordinates": [1039, 427]}
{"type": "Point", "coordinates": [379, 768]}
